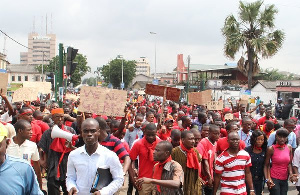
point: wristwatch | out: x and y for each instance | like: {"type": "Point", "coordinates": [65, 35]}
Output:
{"type": "Point", "coordinates": [266, 180]}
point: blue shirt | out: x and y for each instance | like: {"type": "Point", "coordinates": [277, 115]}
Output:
{"type": "Point", "coordinates": [130, 137]}
{"type": "Point", "coordinates": [291, 139]}
{"type": "Point", "coordinates": [17, 177]}
{"type": "Point", "coordinates": [245, 137]}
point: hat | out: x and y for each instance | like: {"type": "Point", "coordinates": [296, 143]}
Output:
{"type": "Point", "coordinates": [226, 109]}
{"type": "Point", "coordinates": [3, 132]}
{"type": "Point", "coordinates": [57, 111]}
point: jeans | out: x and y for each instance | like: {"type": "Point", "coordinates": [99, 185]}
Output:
{"type": "Point", "coordinates": [257, 185]}
{"type": "Point", "coordinates": [53, 186]}
{"type": "Point", "coordinates": [280, 188]}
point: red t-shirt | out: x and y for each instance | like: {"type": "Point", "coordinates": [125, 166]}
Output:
{"type": "Point", "coordinates": [164, 136]}
{"type": "Point", "coordinates": [36, 133]}
{"type": "Point", "coordinates": [209, 151]}
{"type": "Point", "coordinates": [223, 132]}
{"type": "Point", "coordinates": [44, 126]}
{"type": "Point", "coordinates": [262, 120]}
{"type": "Point", "coordinates": [145, 165]}
{"type": "Point", "coordinates": [222, 145]}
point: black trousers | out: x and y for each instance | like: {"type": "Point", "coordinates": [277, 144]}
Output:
{"type": "Point", "coordinates": [208, 190]}
{"type": "Point", "coordinates": [280, 188]}
{"type": "Point", "coordinates": [53, 186]}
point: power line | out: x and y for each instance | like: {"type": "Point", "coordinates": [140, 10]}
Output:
{"type": "Point", "coordinates": [14, 40]}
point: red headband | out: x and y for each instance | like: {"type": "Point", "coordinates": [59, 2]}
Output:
{"type": "Point", "coordinates": [26, 112]}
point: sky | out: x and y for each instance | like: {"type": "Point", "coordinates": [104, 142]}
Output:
{"type": "Point", "coordinates": [103, 29]}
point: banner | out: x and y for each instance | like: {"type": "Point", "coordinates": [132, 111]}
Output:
{"type": "Point", "coordinates": [104, 101]}
{"type": "Point", "coordinates": [3, 83]}
{"type": "Point", "coordinates": [42, 87]}
{"type": "Point", "coordinates": [215, 105]}
{"type": "Point", "coordinates": [172, 93]}
{"type": "Point", "coordinates": [228, 116]}
{"type": "Point", "coordinates": [25, 94]}
{"type": "Point", "coordinates": [200, 98]}
{"type": "Point", "coordinates": [71, 97]}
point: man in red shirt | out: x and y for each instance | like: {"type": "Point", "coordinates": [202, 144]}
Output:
{"type": "Point", "coordinates": [204, 131]}
{"type": "Point", "coordinates": [26, 114]}
{"type": "Point", "coordinates": [144, 150]}
{"type": "Point", "coordinates": [165, 132]}
{"type": "Point", "coordinates": [222, 143]}
{"type": "Point", "coordinates": [209, 146]}
{"type": "Point", "coordinates": [268, 117]}
{"type": "Point", "coordinates": [38, 117]}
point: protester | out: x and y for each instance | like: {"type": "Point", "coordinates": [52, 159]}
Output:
{"type": "Point", "coordinates": [286, 110]}
{"type": "Point", "coordinates": [54, 154]}
{"type": "Point", "coordinates": [233, 163]}
{"type": "Point", "coordinates": [204, 131]}
{"type": "Point", "coordinates": [144, 150]}
{"type": "Point", "coordinates": [168, 175]}
{"type": "Point", "coordinates": [175, 137]}
{"type": "Point", "coordinates": [257, 152]}
{"type": "Point", "coordinates": [296, 167]}
{"type": "Point", "coordinates": [268, 117]}
{"type": "Point", "coordinates": [245, 132]}
{"type": "Point", "coordinates": [209, 146]}
{"type": "Point", "coordinates": [188, 157]}
{"type": "Point", "coordinates": [16, 175]}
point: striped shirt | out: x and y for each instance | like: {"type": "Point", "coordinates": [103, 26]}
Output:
{"type": "Point", "coordinates": [232, 170]}
{"type": "Point", "coordinates": [114, 144]}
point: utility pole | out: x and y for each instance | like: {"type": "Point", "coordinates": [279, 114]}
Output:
{"type": "Point", "coordinates": [60, 73]}
{"type": "Point", "coordinates": [188, 77]}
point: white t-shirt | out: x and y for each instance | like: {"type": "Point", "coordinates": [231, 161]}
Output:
{"type": "Point", "coordinates": [296, 162]}
{"type": "Point", "coordinates": [5, 117]}
{"type": "Point", "coordinates": [27, 151]}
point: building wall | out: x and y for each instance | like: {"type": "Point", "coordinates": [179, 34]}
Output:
{"type": "Point", "coordinates": [259, 88]}
{"type": "Point", "coordinates": [181, 69]}
{"type": "Point", "coordinates": [21, 77]}
{"type": "Point", "coordinates": [143, 66]}
{"type": "Point", "coordinates": [3, 61]}
{"type": "Point", "coordinates": [39, 44]}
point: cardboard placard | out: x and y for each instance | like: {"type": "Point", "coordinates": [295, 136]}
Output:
{"type": "Point", "coordinates": [42, 87]}
{"type": "Point", "coordinates": [156, 90]}
{"type": "Point", "coordinates": [228, 116]}
{"type": "Point", "coordinates": [215, 105]}
{"type": "Point", "coordinates": [71, 97]}
{"type": "Point", "coordinates": [173, 94]}
{"type": "Point", "coordinates": [200, 98]}
{"type": "Point", "coordinates": [104, 101]}
{"type": "Point", "coordinates": [3, 83]}
{"type": "Point", "coordinates": [25, 94]}
{"type": "Point", "coordinates": [140, 98]}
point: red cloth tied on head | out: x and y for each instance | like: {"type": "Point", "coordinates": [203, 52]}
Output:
{"type": "Point", "coordinates": [192, 158]}
{"type": "Point", "coordinates": [158, 169]}
{"type": "Point", "coordinates": [226, 109]}
{"type": "Point", "coordinates": [57, 111]}
{"type": "Point", "coordinates": [29, 111]}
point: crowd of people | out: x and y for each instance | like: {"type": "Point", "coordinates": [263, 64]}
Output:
{"type": "Point", "coordinates": [163, 147]}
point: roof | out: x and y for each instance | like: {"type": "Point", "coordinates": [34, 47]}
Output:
{"type": "Point", "coordinates": [142, 84]}
{"type": "Point", "coordinates": [206, 67]}
{"type": "Point", "coordinates": [268, 84]}
{"type": "Point", "coordinates": [22, 68]}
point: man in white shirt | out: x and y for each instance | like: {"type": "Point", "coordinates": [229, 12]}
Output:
{"type": "Point", "coordinates": [84, 161]}
{"type": "Point", "coordinates": [21, 147]}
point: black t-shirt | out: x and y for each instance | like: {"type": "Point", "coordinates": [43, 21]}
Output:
{"type": "Point", "coordinates": [286, 111]}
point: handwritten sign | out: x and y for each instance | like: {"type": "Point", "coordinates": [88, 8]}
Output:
{"type": "Point", "coordinates": [172, 93]}
{"type": "Point", "coordinates": [156, 90]}
{"type": "Point", "coordinates": [104, 101]}
{"type": "Point", "coordinates": [71, 97]}
{"type": "Point", "coordinates": [140, 98]}
{"type": "Point", "coordinates": [3, 82]}
{"type": "Point", "coordinates": [215, 105]}
{"type": "Point", "coordinates": [228, 116]}
{"type": "Point", "coordinates": [200, 98]}
{"type": "Point", "coordinates": [25, 94]}
{"type": "Point", "coordinates": [42, 87]}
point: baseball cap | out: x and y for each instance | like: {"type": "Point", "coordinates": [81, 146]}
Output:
{"type": "Point", "coordinates": [3, 132]}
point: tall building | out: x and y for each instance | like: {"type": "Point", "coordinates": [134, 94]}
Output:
{"type": "Point", "coordinates": [142, 66]}
{"type": "Point", "coordinates": [42, 49]}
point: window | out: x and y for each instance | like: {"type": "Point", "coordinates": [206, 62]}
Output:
{"type": "Point", "coordinates": [12, 78]}
{"type": "Point", "coordinates": [19, 78]}
{"type": "Point", "coordinates": [26, 78]}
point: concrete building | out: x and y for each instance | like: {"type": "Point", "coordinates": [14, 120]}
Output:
{"type": "Point", "coordinates": [143, 66]}
{"type": "Point", "coordinates": [18, 73]}
{"type": "Point", "coordinates": [42, 50]}
{"type": "Point", "coordinates": [3, 62]}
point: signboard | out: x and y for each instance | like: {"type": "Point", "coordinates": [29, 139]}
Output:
{"type": "Point", "coordinates": [25, 94]}
{"type": "Point", "coordinates": [244, 99]}
{"type": "Point", "coordinates": [214, 84]}
{"type": "Point", "coordinates": [200, 98]}
{"type": "Point", "coordinates": [104, 101]}
{"type": "Point", "coordinates": [71, 96]}
{"type": "Point", "coordinates": [3, 83]}
{"type": "Point", "coordinates": [172, 93]}
{"type": "Point", "coordinates": [228, 116]}
{"type": "Point", "coordinates": [42, 87]}
{"type": "Point", "coordinates": [215, 105]}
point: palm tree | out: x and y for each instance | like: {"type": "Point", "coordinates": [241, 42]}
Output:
{"type": "Point", "coordinates": [254, 31]}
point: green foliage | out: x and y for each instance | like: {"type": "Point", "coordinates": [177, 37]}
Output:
{"type": "Point", "coordinates": [253, 31]}
{"type": "Point", "coordinates": [92, 81]}
{"type": "Point", "coordinates": [112, 73]}
{"type": "Point", "coordinates": [272, 74]}
{"type": "Point", "coordinates": [81, 69]}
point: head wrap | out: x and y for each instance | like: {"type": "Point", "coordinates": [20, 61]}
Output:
{"type": "Point", "coordinates": [57, 111]}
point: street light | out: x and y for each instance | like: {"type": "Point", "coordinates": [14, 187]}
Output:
{"type": "Point", "coordinates": [122, 84]}
{"type": "Point", "coordinates": [154, 33]}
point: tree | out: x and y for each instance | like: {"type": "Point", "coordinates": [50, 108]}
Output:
{"type": "Point", "coordinates": [81, 69]}
{"type": "Point", "coordinates": [254, 31]}
{"type": "Point", "coordinates": [272, 74]}
{"type": "Point", "coordinates": [112, 73]}
{"type": "Point", "coordinates": [90, 81]}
